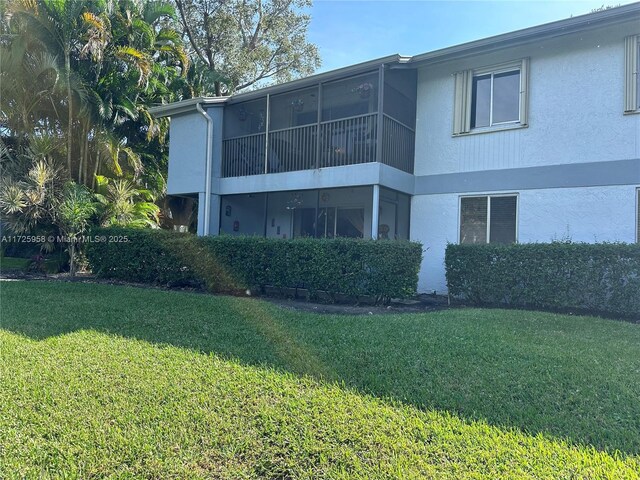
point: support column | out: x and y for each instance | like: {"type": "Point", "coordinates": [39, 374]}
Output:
{"type": "Point", "coordinates": [375, 212]}
{"type": "Point", "coordinates": [214, 215]}
{"type": "Point", "coordinates": [380, 119]}
{"type": "Point", "coordinates": [266, 214]}
{"type": "Point", "coordinates": [315, 222]}
{"type": "Point", "coordinates": [201, 214]}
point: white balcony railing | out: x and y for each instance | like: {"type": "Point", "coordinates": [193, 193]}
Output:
{"type": "Point", "coordinates": [334, 143]}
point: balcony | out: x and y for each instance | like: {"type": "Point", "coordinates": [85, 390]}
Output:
{"type": "Point", "coordinates": [289, 132]}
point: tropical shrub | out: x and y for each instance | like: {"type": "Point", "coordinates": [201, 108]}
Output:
{"type": "Point", "coordinates": [74, 213]}
{"type": "Point", "coordinates": [123, 204]}
{"type": "Point", "coordinates": [31, 187]}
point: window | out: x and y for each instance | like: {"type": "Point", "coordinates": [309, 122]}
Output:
{"type": "Point", "coordinates": [488, 219]}
{"type": "Point", "coordinates": [495, 99]}
{"type": "Point", "coordinates": [491, 97]}
{"type": "Point", "coordinates": [632, 76]}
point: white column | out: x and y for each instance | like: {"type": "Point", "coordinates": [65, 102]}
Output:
{"type": "Point", "coordinates": [375, 212]}
{"type": "Point", "coordinates": [214, 214]}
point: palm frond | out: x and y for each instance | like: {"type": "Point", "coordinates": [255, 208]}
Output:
{"type": "Point", "coordinates": [134, 160]}
{"type": "Point", "coordinates": [44, 64]}
{"type": "Point", "coordinates": [155, 10]}
{"type": "Point", "coordinates": [13, 198]}
{"type": "Point", "coordinates": [96, 37]}
{"type": "Point", "coordinates": [138, 59]}
{"type": "Point", "coordinates": [128, 107]}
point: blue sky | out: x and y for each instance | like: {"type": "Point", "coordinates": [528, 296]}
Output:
{"type": "Point", "coordinates": [348, 32]}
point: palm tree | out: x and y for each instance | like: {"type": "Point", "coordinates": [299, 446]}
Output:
{"type": "Point", "coordinates": [87, 73]}
{"type": "Point", "coordinates": [125, 205]}
{"type": "Point", "coordinates": [107, 63]}
{"type": "Point", "coordinates": [73, 214]}
{"type": "Point", "coordinates": [60, 26]}
{"type": "Point", "coordinates": [31, 187]}
{"type": "Point", "coordinates": [30, 85]}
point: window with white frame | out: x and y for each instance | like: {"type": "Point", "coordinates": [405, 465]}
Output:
{"type": "Point", "coordinates": [492, 97]}
{"type": "Point", "coordinates": [632, 74]}
{"type": "Point", "coordinates": [488, 219]}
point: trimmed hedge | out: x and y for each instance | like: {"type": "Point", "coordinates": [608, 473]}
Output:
{"type": "Point", "coordinates": [352, 267]}
{"type": "Point", "coordinates": [140, 255]}
{"type": "Point", "coordinates": [601, 277]}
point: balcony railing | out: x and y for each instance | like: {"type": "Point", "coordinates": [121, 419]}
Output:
{"type": "Point", "coordinates": [348, 141]}
{"type": "Point", "coordinates": [242, 156]}
{"type": "Point", "coordinates": [334, 143]}
{"type": "Point", "coordinates": [398, 144]}
{"type": "Point", "coordinates": [293, 149]}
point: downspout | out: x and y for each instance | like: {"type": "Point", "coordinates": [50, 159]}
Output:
{"type": "Point", "coordinates": [207, 185]}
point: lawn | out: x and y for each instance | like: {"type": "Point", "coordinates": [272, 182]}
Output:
{"type": "Point", "coordinates": [11, 263]}
{"type": "Point", "coordinates": [14, 264]}
{"type": "Point", "coordinates": [101, 380]}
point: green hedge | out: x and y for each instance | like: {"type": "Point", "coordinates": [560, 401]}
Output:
{"type": "Point", "coordinates": [382, 269]}
{"type": "Point", "coordinates": [602, 277]}
{"type": "Point", "coordinates": [140, 256]}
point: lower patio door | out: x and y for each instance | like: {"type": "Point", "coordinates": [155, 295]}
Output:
{"type": "Point", "coordinates": [330, 222]}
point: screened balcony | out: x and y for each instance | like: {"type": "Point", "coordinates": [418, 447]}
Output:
{"type": "Point", "coordinates": [344, 122]}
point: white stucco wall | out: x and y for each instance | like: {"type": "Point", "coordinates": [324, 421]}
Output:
{"type": "Point", "coordinates": [187, 154]}
{"type": "Point", "coordinates": [597, 214]}
{"type": "Point", "coordinates": [575, 116]}
{"type": "Point", "coordinates": [594, 214]}
{"type": "Point", "coordinates": [575, 108]}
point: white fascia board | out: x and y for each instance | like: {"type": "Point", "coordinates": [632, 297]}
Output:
{"type": "Point", "coordinates": [185, 106]}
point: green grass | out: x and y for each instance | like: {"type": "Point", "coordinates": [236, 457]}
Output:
{"type": "Point", "coordinates": [101, 381]}
{"type": "Point", "coordinates": [13, 263]}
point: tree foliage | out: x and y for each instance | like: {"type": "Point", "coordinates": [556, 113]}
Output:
{"type": "Point", "coordinates": [77, 80]}
{"type": "Point", "coordinates": [125, 205]}
{"type": "Point", "coordinates": [31, 187]}
{"type": "Point", "coordinates": [248, 42]}
{"type": "Point", "coordinates": [87, 72]}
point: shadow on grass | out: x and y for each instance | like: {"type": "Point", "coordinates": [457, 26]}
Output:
{"type": "Point", "coordinates": [572, 377]}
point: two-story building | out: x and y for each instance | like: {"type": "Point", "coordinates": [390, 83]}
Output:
{"type": "Point", "coordinates": [530, 136]}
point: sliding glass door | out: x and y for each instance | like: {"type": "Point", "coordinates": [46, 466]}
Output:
{"type": "Point", "coordinates": [329, 222]}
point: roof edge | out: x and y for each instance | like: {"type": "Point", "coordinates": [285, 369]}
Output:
{"type": "Point", "coordinates": [518, 37]}
{"type": "Point", "coordinates": [185, 106]}
{"type": "Point", "coordinates": [322, 77]}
